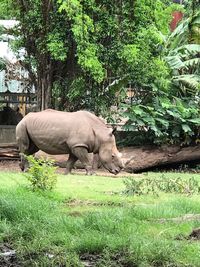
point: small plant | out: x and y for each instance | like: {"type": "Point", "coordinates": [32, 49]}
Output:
{"type": "Point", "coordinates": [153, 186]}
{"type": "Point", "coordinates": [41, 173]}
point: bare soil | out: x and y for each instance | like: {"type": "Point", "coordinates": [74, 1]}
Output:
{"type": "Point", "coordinates": [8, 256]}
{"type": "Point", "coordinates": [13, 166]}
{"type": "Point", "coordinates": [9, 165]}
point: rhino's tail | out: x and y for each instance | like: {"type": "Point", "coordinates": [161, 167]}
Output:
{"type": "Point", "coordinates": [22, 137]}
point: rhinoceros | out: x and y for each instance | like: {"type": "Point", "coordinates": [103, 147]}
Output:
{"type": "Point", "coordinates": [74, 133]}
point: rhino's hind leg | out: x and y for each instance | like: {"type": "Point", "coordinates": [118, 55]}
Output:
{"type": "Point", "coordinates": [23, 142]}
{"type": "Point", "coordinates": [82, 154]}
{"type": "Point", "coordinates": [70, 163]}
{"type": "Point", "coordinates": [32, 149]}
{"type": "Point", "coordinates": [26, 151]}
{"type": "Point", "coordinates": [23, 162]}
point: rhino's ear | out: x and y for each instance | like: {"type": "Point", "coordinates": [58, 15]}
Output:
{"type": "Point", "coordinates": [113, 130]}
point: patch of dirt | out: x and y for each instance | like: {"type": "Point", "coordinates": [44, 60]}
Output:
{"type": "Point", "coordinates": [9, 165]}
{"type": "Point", "coordinates": [78, 202]}
{"type": "Point", "coordinates": [13, 166]}
{"type": "Point", "coordinates": [8, 256]}
{"type": "Point", "coordinates": [195, 234]}
{"type": "Point", "coordinates": [185, 218]}
{"type": "Point", "coordinates": [89, 260]}
{"type": "Point", "coordinates": [118, 259]}
{"type": "Point", "coordinates": [75, 214]}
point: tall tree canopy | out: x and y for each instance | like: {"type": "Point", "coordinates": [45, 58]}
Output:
{"type": "Point", "coordinates": [74, 46]}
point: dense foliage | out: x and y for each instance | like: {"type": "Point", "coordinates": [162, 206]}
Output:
{"type": "Point", "coordinates": [170, 112]}
{"type": "Point", "coordinates": [80, 54]}
{"type": "Point", "coordinates": [6, 11]}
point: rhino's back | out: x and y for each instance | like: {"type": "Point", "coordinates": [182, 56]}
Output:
{"type": "Point", "coordinates": [55, 132]}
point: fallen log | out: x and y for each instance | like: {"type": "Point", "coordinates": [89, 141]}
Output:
{"type": "Point", "coordinates": [9, 151]}
{"type": "Point", "coordinates": [138, 159]}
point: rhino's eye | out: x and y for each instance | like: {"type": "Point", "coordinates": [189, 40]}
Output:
{"type": "Point", "coordinates": [113, 156]}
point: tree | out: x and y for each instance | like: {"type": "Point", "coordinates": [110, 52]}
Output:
{"type": "Point", "coordinates": [74, 47]}
{"type": "Point", "coordinates": [58, 47]}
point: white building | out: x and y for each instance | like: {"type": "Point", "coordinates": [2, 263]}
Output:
{"type": "Point", "coordinates": [10, 79]}
{"type": "Point", "coordinates": [15, 86]}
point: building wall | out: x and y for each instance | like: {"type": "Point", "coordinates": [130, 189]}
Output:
{"type": "Point", "coordinates": [7, 134]}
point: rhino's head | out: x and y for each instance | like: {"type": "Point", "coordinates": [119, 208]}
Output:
{"type": "Point", "coordinates": [109, 156]}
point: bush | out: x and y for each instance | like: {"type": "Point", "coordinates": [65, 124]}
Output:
{"type": "Point", "coordinates": [41, 173]}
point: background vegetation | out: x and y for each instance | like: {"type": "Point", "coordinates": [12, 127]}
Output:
{"type": "Point", "coordinates": [84, 54]}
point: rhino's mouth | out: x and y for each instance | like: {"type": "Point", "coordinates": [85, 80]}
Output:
{"type": "Point", "coordinates": [115, 170]}
{"type": "Point", "coordinates": [112, 168]}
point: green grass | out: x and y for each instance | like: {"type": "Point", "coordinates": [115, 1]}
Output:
{"type": "Point", "coordinates": [87, 217]}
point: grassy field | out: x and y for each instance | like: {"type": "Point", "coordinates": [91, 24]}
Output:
{"type": "Point", "coordinates": [87, 221]}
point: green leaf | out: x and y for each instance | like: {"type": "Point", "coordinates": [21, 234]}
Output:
{"type": "Point", "coordinates": [186, 128]}
{"type": "Point", "coordinates": [175, 62]}
{"type": "Point", "coordinates": [138, 111]}
{"type": "Point", "coordinates": [195, 120]}
{"type": "Point", "coordinates": [163, 122]}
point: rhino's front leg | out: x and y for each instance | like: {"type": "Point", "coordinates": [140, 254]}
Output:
{"type": "Point", "coordinates": [70, 163]}
{"type": "Point", "coordinates": [96, 164]}
{"type": "Point", "coordinates": [82, 154]}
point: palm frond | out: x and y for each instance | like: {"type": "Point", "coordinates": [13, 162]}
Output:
{"type": "Point", "coordinates": [188, 48]}
{"type": "Point", "coordinates": [190, 63]}
{"type": "Point", "coordinates": [185, 56]}
{"type": "Point", "coordinates": [190, 81]}
{"type": "Point", "coordinates": [175, 62]}
{"type": "Point", "coordinates": [180, 29]}
{"type": "Point", "coordinates": [195, 19]}
{"type": "Point", "coordinates": [179, 35]}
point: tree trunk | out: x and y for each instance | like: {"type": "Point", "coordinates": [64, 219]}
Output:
{"type": "Point", "coordinates": [44, 83]}
{"type": "Point", "coordinates": [138, 159]}
{"type": "Point", "coordinates": [45, 66]}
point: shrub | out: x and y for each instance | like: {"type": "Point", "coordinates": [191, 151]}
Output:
{"type": "Point", "coordinates": [41, 173]}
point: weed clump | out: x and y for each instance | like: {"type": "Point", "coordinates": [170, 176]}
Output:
{"type": "Point", "coordinates": [163, 184]}
{"type": "Point", "coordinates": [41, 173]}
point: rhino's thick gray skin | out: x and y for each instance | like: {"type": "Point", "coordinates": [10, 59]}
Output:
{"type": "Point", "coordinates": [74, 133]}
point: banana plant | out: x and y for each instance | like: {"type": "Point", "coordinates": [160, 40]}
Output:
{"type": "Point", "coordinates": [183, 54]}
